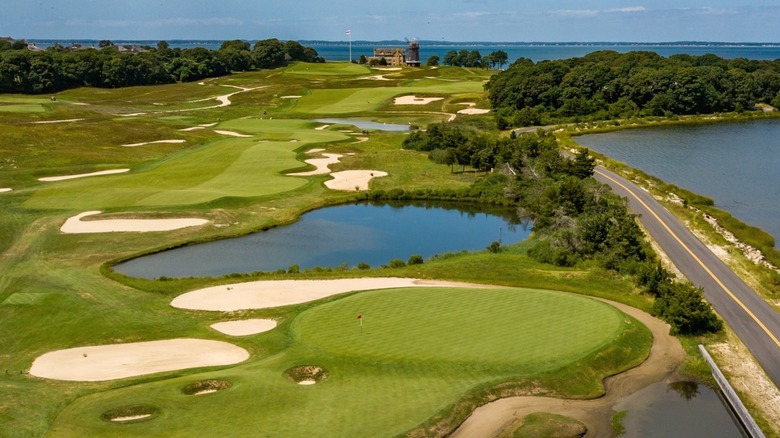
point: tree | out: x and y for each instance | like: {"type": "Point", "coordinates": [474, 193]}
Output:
{"type": "Point", "coordinates": [582, 165]}
{"type": "Point", "coordinates": [269, 53]}
{"type": "Point", "coordinates": [433, 61]}
{"type": "Point", "coordinates": [105, 43]}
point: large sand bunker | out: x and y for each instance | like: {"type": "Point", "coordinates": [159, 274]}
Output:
{"type": "Point", "coordinates": [267, 294]}
{"type": "Point", "coordinates": [108, 362]}
{"type": "Point", "coordinates": [5, 189]}
{"type": "Point", "coordinates": [350, 180]}
{"type": "Point", "coordinates": [414, 100]}
{"type": "Point", "coordinates": [321, 165]}
{"type": "Point", "coordinates": [74, 225]}
{"type": "Point", "coordinates": [174, 141]}
{"type": "Point", "coordinates": [82, 175]}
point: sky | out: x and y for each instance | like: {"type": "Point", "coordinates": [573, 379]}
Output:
{"type": "Point", "coordinates": [442, 20]}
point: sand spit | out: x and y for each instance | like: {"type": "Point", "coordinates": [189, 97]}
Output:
{"type": "Point", "coordinates": [353, 180]}
{"type": "Point", "coordinates": [174, 141]}
{"type": "Point", "coordinates": [118, 361]}
{"type": "Point", "coordinates": [414, 100]}
{"type": "Point", "coordinates": [244, 327]}
{"type": "Point", "coordinates": [268, 294]}
{"type": "Point", "coordinates": [74, 225]}
{"type": "Point", "coordinates": [82, 175]}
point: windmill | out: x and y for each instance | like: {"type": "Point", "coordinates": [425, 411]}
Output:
{"type": "Point", "coordinates": [413, 58]}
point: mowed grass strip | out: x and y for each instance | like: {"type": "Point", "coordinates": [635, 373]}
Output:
{"type": "Point", "coordinates": [233, 167]}
{"type": "Point", "coordinates": [531, 330]}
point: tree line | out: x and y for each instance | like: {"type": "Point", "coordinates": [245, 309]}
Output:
{"type": "Point", "coordinates": [576, 219]}
{"type": "Point", "coordinates": [607, 85]}
{"type": "Point", "coordinates": [57, 68]}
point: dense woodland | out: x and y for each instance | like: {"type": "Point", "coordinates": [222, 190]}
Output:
{"type": "Point", "coordinates": [58, 68]}
{"type": "Point", "coordinates": [577, 220]}
{"type": "Point", "coordinates": [609, 85]}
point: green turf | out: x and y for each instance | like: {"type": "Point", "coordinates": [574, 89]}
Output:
{"type": "Point", "coordinates": [54, 294]}
{"type": "Point", "coordinates": [410, 352]}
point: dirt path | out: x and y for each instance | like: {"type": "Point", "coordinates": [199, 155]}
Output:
{"type": "Point", "coordinates": [665, 356]}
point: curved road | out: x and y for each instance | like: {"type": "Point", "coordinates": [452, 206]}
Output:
{"type": "Point", "coordinates": [755, 322]}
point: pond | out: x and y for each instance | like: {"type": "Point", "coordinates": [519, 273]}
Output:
{"type": "Point", "coordinates": [351, 234]}
{"type": "Point", "coordinates": [679, 409]}
{"type": "Point", "coordinates": [368, 125]}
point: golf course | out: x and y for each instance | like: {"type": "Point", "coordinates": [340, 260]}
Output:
{"type": "Point", "coordinates": [91, 177]}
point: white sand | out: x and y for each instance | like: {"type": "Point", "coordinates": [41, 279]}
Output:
{"type": "Point", "coordinates": [388, 68]}
{"type": "Point", "coordinates": [118, 361]}
{"type": "Point", "coordinates": [291, 97]}
{"type": "Point", "coordinates": [130, 418]}
{"type": "Point", "coordinates": [268, 294]}
{"type": "Point", "coordinates": [231, 133]}
{"type": "Point", "coordinates": [323, 127]}
{"type": "Point", "coordinates": [414, 100]}
{"type": "Point", "coordinates": [315, 151]}
{"type": "Point", "coordinates": [175, 141]}
{"type": "Point", "coordinates": [194, 128]}
{"type": "Point", "coordinates": [321, 165]}
{"type": "Point", "coordinates": [377, 78]}
{"type": "Point", "coordinates": [351, 180]}
{"type": "Point", "coordinates": [74, 225]}
{"type": "Point", "coordinates": [83, 175]}
{"type": "Point", "coordinates": [46, 122]}
{"type": "Point", "coordinates": [307, 382]}
{"type": "Point", "coordinates": [5, 189]}
{"type": "Point", "coordinates": [474, 111]}
{"type": "Point", "coordinates": [244, 327]}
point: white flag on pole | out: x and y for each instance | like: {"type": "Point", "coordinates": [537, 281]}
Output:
{"type": "Point", "coordinates": [349, 32]}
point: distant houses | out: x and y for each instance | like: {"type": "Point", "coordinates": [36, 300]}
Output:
{"type": "Point", "coordinates": [397, 56]}
{"type": "Point", "coordinates": [75, 47]}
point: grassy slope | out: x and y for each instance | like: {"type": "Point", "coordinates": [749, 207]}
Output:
{"type": "Point", "coordinates": [52, 294]}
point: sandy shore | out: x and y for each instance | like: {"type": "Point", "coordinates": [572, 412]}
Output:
{"type": "Point", "coordinates": [352, 180]}
{"type": "Point", "coordinates": [244, 327]}
{"type": "Point", "coordinates": [83, 175]}
{"type": "Point", "coordinates": [74, 224]}
{"type": "Point", "coordinates": [665, 356]}
{"type": "Point", "coordinates": [268, 294]}
{"type": "Point", "coordinates": [118, 361]}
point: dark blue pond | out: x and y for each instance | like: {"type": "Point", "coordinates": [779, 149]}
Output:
{"type": "Point", "coordinates": [348, 234]}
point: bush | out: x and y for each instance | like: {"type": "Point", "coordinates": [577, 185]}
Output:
{"type": "Point", "coordinates": [416, 259]}
{"type": "Point", "coordinates": [363, 266]}
{"type": "Point", "coordinates": [682, 305]}
{"type": "Point", "coordinates": [494, 247]}
{"type": "Point", "coordinates": [397, 263]}
{"type": "Point", "coordinates": [293, 269]}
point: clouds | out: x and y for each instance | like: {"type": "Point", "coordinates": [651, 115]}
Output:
{"type": "Point", "coordinates": [454, 20]}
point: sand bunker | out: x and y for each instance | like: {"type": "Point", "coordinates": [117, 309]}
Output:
{"type": "Point", "coordinates": [74, 225]}
{"type": "Point", "coordinates": [321, 128]}
{"type": "Point", "coordinates": [268, 294]}
{"type": "Point", "coordinates": [231, 133]}
{"type": "Point", "coordinates": [291, 97]}
{"type": "Point", "coordinates": [46, 122]}
{"type": "Point", "coordinates": [244, 327]}
{"type": "Point", "coordinates": [351, 180]}
{"type": "Point", "coordinates": [109, 362]}
{"type": "Point", "coordinates": [175, 141]}
{"type": "Point", "coordinates": [414, 100]}
{"type": "Point", "coordinates": [5, 189]}
{"type": "Point", "coordinates": [321, 165]}
{"type": "Point", "coordinates": [474, 111]}
{"type": "Point", "coordinates": [83, 175]}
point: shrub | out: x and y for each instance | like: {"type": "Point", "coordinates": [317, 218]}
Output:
{"type": "Point", "coordinates": [397, 263]}
{"type": "Point", "coordinates": [415, 259]}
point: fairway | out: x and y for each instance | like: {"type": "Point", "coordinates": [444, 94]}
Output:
{"type": "Point", "coordinates": [422, 348]}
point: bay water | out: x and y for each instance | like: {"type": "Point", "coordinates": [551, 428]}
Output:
{"type": "Point", "coordinates": [735, 164]}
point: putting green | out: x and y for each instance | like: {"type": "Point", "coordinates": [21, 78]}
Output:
{"type": "Point", "coordinates": [524, 328]}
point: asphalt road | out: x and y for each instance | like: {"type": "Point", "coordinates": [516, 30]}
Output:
{"type": "Point", "coordinates": [755, 322]}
